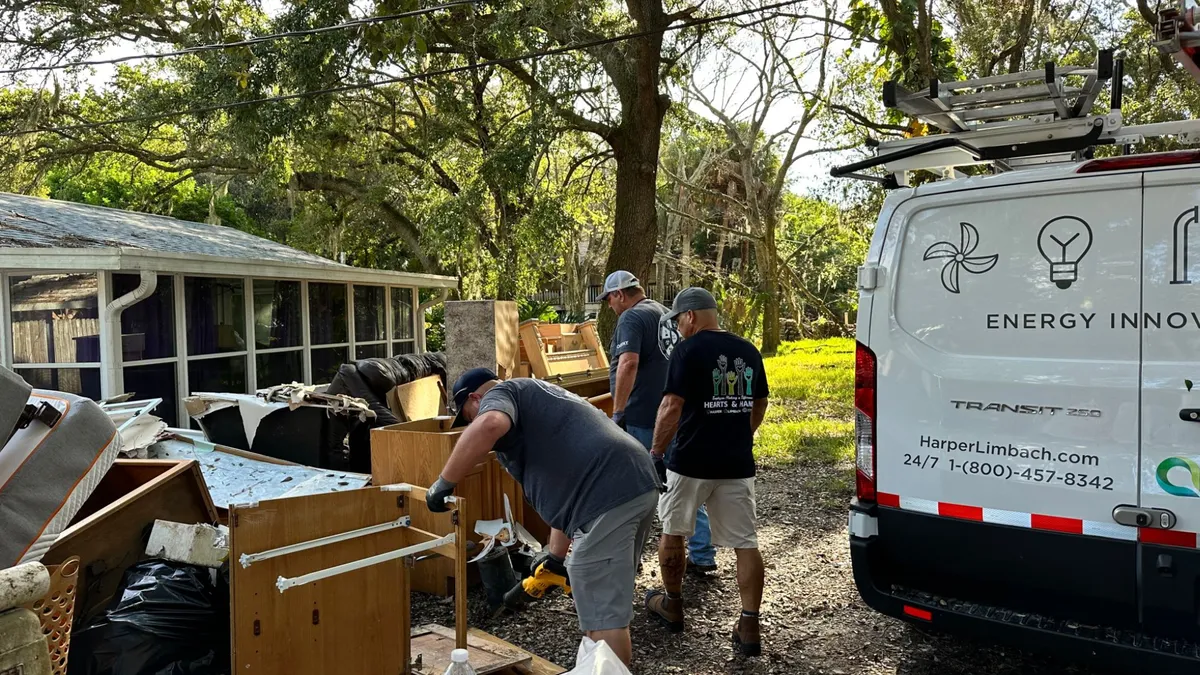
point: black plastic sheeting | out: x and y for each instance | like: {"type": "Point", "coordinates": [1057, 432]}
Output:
{"type": "Point", "coordinates": [167, 619]}
{"type": "Point", "coordinates": [371, 380]}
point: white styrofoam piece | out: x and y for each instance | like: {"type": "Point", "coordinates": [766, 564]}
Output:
{"type": "Point", "coordinates": [191, 543]}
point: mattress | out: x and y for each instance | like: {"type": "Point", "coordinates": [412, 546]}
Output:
{"type": "Point", "coordinates": [48, 472]}
{"type": "Point", "coordinates": [14, 394]}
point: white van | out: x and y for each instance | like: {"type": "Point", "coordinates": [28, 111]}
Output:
{"type": "Point", "coordinates": [1028, 452]}
{"type": "Point", "coordinates": [1028, 440]}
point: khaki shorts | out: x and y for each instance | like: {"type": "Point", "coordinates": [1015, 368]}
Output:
{"type": "Point", "coordinates": [730, 509]}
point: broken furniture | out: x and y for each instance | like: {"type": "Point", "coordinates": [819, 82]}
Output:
{"type": "Point", "coordinates": [482, 334]}
{"type": "Point", "coordinates": [431, 646]}
{"type": "Point", "coordinates": [23, 649]}
{"type": "Point", "coordinates": [237, 476]}
{"type": "Point", "coordinates": [419, 400]}
{"type": "Point", "coordinates": [297, 423]}
{"type": "Point", "coordinates": [321, 583]}
{"type": "Point", "coordinates": [137, 427]}
{"type": "Point", "coordinates": [569, 355]}
{"type": "Point", "coordinates": [109, 533]}
{"type": "Point", "coordinates": [415, 452]}
{"type": "Point", "coordinates": [48, 468]}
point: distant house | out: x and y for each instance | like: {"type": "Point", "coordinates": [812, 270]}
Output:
{"type": "Point", "coordinates": [101, 302]}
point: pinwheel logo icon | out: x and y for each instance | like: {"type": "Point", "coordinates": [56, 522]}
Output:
{"type": "Point", "coordinates": [960, 257]}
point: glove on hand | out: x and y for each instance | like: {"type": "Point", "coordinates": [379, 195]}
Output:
{"type": "Point", "coordinates": [435, 498]}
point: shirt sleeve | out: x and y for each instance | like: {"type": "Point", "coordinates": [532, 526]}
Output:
{"type": "Point", "coordinates": [627, 337]}
{"type": "Point", "coordinates": [500, 398]}
{"type": "Point", "coordinates": [677, 371]}
{"type": "Point", "coordinates": [761, 388]}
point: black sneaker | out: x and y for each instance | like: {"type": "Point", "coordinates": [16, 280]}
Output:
{"type": "Point", "coordinates": [700, 570]}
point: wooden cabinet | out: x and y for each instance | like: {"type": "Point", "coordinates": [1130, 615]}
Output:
{"type": "Point", "coordinates": [415, 452]}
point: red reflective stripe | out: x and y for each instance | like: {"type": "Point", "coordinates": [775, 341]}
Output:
{"type": "Point", "coordinates": [960, 511]}
{"type": "Point", "coordinates": [917, 613]}
{"type": "Point", "coordinates": [888, 499]}
{"type": "Point", "coordinates": [1148, 535]}
{"type": "Point", "coordinates": [1068, 525]}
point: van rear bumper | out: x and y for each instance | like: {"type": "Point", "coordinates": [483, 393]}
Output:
{"type": "Point", "coordinates": [885, 592]}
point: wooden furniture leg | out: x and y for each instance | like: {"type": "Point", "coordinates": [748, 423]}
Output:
{"type": "Point", "coordinates": [460, 576]}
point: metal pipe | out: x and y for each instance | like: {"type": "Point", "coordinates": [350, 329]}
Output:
{"type": "Point", "coordinates": [110, 346]}
{"type": "Point", "coordinates": [284, 583]}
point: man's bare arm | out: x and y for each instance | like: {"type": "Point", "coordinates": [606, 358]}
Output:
{"type": "Point", "coordinates": [627, 367]}
{"type": "Point", "coordinates": [667, 423]}
{"type": "Point", "coordinates": [475, 443]}
{"type": "Point", "coordinates": [559, 543]}
{"type": "Point", "coordinates": [758, 414]}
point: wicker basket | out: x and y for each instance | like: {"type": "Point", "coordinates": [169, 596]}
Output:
{"type": "Point", "coordinates": [56, 612]}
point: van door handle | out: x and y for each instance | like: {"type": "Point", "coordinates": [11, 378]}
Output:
{"type": "Point", "coordinates": [1190, 414]}
{"type": "Point", "coordinates": [1133, 516]}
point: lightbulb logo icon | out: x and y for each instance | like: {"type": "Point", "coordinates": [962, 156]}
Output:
{"type": "Point", "coordinates": [1063, 242]}
{"type": "Point", "coordinates": [960, 257]}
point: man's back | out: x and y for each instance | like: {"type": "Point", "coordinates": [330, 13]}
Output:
{"type": "Point", "coordinates": [637, 333]}
{"type": "Point", "coordinates": [719, 376]}
{"type": "Point", "coordinates": [572, 461]}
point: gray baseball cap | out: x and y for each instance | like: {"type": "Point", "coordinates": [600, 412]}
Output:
{"type": "Point", "coordinates": [619, 281]}
{"type": "Point", "coordinates": [691, 299]}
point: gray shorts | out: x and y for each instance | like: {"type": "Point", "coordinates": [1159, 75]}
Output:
{"type": "Point", "coordinates": [604, 561]}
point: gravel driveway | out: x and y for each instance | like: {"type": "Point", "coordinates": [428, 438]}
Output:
{"type": "Point", "coordinates": [813, 620]}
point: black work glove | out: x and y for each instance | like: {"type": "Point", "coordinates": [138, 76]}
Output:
{"type": "Point", "coordinates": [619, 418]}
{"type": "Point", "coordinates": [660, 465]}
{"type": "Point", "coordinates": [435, 497]}
{"type": "Point", "coordinates": [557, 565]}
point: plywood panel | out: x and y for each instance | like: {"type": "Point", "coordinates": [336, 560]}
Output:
{"type": "Point", "coordinates": [350, 623]}
{"type": "Point", "coordinates": [109, 533]}
{"type": "Point", "coordinates": [537, 666]}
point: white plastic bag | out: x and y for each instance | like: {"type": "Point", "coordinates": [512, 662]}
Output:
{"type": "Point", "coordinates": [597, 658]}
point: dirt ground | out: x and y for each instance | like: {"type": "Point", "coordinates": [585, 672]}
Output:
{"type": "Point", "coordinates": [813, 619]}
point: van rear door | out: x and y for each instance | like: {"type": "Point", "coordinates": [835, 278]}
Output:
{"type": "Point", "coordinates": [1170, 464]}
{"type": "Point", "coordinates": [1007, 400]}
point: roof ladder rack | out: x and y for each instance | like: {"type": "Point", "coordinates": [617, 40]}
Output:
{"type": "Point", "coordinates": [966, 105]}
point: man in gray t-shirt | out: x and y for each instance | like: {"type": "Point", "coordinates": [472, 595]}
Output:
{"type": "Point", "coordinates": [637, 374]}
{"type": "Point", "coordinates": [592, 483]}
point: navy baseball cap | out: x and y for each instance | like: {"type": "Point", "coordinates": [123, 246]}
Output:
{"type": "Point", "coordinates": [465, 385]}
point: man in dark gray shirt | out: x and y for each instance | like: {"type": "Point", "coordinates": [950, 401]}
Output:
{"type": "Point", "coordinates": [592, 483]}
{"type": "Point", "coordinates": [637, 373]}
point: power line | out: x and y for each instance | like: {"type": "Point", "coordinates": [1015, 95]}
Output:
{"type": "Point", "coordinates": [404, 79]}
{"type": "Point", "coordinates": [258, 39]}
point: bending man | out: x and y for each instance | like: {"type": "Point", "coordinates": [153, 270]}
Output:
{"type": "Point", "coordinates": [592, 483]}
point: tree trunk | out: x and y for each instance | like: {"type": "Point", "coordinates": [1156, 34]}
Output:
{"type": "Point", "coordinates": [635, 226]}
{"type": "Point", "coordinates": [768, 271]}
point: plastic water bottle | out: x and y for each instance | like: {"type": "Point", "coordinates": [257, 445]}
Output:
{"type": "Point", "coordinates": [458, 664]}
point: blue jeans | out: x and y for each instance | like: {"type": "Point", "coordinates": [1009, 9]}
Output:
{"type": "Point", "coordinates": [700, 548]}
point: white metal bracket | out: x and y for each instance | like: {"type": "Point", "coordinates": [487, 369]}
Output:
{"type": "Point", "coordinates": [248, 559]}
{"type": "Point", "coordinates": [284, 583]}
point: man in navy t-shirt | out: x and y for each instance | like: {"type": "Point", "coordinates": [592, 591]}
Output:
{"type": "Point", "coordinates": [636, 377]}
{"type": "Point", "coordinates": [714, 401]}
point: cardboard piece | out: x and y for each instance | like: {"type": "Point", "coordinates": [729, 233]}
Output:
{"type": "Point", "coordinates": [419, 400]}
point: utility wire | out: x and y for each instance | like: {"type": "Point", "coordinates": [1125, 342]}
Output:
{"type": "Point", "coordinates": [404, 79]}
{"type": "Point", "coordinates": [258, 39]}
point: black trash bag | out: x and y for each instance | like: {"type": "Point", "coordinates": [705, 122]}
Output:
{"type": "Point", "coordinates": [167, 619]}
{"type": "Point", "coordinates": [382, 375]}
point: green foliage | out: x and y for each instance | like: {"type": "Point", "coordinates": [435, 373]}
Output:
{"type": "Point", "coordinates": [435, 328]}
{"type": "Point", "coordinates": [810, 418]}
{"type": "Point", "coordinates": [535, 309]}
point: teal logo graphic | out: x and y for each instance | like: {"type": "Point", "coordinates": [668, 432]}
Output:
{"type": "Point", "coordinates": [1178, 490]}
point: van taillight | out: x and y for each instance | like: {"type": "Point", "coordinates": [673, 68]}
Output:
{"type": "Point", "coordinates": [864, 422]}
{"type": "Point", "coordinates": [1150, 161]}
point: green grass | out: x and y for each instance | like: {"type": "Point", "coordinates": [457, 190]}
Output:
{"type": "Point", "coordinates": [811, 418]}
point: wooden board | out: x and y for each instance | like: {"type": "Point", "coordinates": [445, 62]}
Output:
{"type": "Point", "coordinates": [537, 666]}
{"type": "Point", "coordinates": [109, 533]}
{"type": "Point", "coordinates": [349, 623]}
{"type": "Point", "coordinates": [432, 644]}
